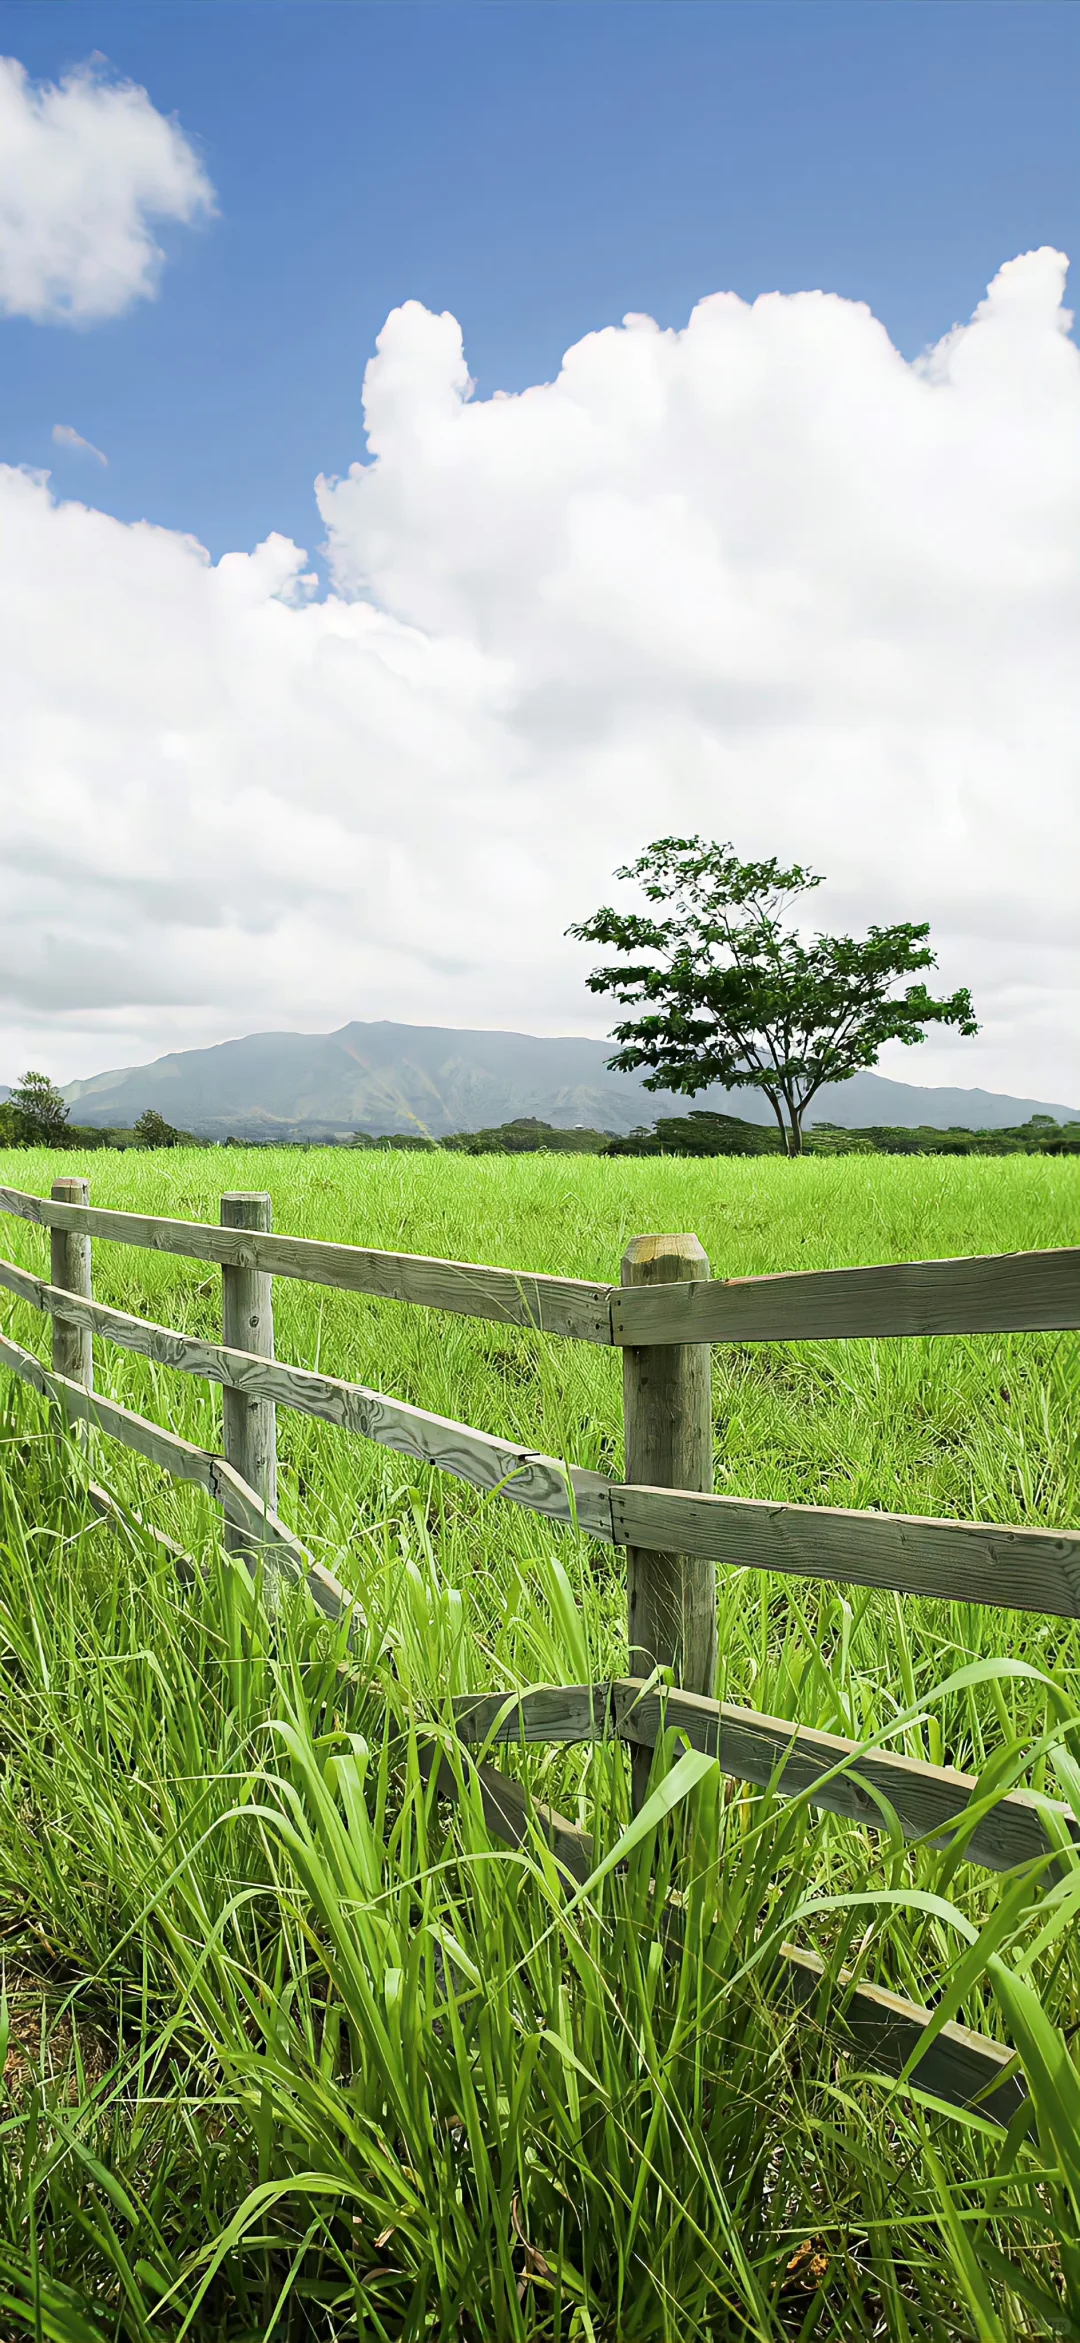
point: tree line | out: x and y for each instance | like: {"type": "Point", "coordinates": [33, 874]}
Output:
{"type": "Point", "coordinates": [731, 992]}
{"type": "Point", "coordinates": [34, 1115]}
{"type": "Point", "coordinates": [700, 1133]}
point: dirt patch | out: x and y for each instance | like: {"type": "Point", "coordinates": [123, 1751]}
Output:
{"type": "Point", "coordinates": [48, 2037]}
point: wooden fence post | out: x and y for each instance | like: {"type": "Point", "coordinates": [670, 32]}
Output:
{"type": "Point", "coordinates": [247, 1323]}
{"type": "Point", "coordinates": [69, 1254]}
{"type": "Point", "coordinates": [667, 1414]}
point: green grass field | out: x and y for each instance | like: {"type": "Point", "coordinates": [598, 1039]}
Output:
{"type": "Point", "coordinates": [293, 2050]}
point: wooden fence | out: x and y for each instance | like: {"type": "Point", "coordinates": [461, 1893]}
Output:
{"type": "Point", "coordinates": [664, 1315]}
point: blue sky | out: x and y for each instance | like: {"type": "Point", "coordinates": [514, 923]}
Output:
{"type": "Point", "coordinates": [539, 171]}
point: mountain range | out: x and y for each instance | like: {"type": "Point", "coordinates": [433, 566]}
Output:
{"type": "Point", "coordinates": [385, 1078]}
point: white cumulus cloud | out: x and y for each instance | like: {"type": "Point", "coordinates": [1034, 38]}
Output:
{"type": "Point", "coordinates": [87, 165]}
{"type": "Point", "coordinates": [760, 578]}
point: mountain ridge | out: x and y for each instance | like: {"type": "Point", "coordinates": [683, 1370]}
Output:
{"type": "Point", "coordinates": [389, 1079]}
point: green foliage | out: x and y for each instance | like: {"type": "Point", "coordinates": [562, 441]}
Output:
{"type": "Point", "coordinates": [1040, 1136]}
{"type": "Point", "coordinates": [298, 2052]}
{"type": "Point", "coordinates": [527, 1135]}
{"type": "Point", "coordinates": [35, 1116]}
{"type": "Point", "coordinates": [90, 1136]}
{"type": "Point", "coordinates": [699, 1133]}
{"type": "Point", "coordinates": [152, 1130]}
{"type": "Point", "coordinates": [36, 1113]}
{"type": "Point", "coordinates": [732, 994]}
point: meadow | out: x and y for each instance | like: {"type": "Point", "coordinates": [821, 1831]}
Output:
{"type": "Point", "coordinates": [294, 2049]}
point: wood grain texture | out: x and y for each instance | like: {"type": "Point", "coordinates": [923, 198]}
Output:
{"type": "Point", "coordinates": [166, 1449]}
{"type": "Point", "coordinates": [995, 1293]}
{"type": "Point", "coordinates": [958, 1561]}
{"type": "Point", "coordinates": [1017, 1569]}
{"type": "Point", "coordinates": [964, 2068]}
{"type": "Point", "coordinates": [69, 1253]}
{"type": "Point", "coordinates": [998, 1292]}
{"type": "Point", "coordinates": [187, 1463]}
{"type": "Point", "coordinates": [541, 1483]}
{"type": "Point", "coordinates": [513, 1816]}
{"type": "Point", "coordinates": [249, 1435]}
{"type": "Point", "coordinates": [928, 1800]}
{"type": "Point", "coordinates": [667, 1416]}
{"type": "Point", "coordinates": [553, 1305]}
{"type": "Point", "coordinates": [545, 1712]}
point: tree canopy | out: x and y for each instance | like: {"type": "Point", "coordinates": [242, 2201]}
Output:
{"type": "Point", "coordinates": [152, 1130]}
{"type": "Point", "coordinates": [732, 993]}
{"type": "Point", "coordinates": [36, 1112]}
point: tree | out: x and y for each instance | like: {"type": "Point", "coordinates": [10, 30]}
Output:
{"type": "Point", "coordinates": [152, 1130]}
{"type": "Point", "coordinates": [39, 1110]}
{"type": "Point", "coordinates": [698, 1133]}
{"type": "Point", "coordinates": [732, 994]}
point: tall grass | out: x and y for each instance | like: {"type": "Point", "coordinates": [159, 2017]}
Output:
{"type": "Point", "coordinates": [294, 2048]}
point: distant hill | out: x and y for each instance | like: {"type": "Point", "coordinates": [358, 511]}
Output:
{"type": "Point", "coordinates": [384, 1079]}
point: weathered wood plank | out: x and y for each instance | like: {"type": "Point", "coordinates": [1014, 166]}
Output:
{"type": "Point", "coordinates": [1002, 1292]}
{"type": "Point", "coordinates": [249, 1425]}
{"type": "Point", "coordinates": [884, 2028]}
{"type": "Point", "coordinates": [667, 1417]}
{"type": "Point", "coordinates": [541, 1483]}
{"type": "Point", "coordinates": [957, 1561]}
{"type": "Point", "coordinates": [992, 1293]}
{"type": "Point", "coordinates": [927, 1799]}
{"type": "Point", "coordinates": [187, 1463]}
{"type": "Point", "coordinates": [544, 1712]}
{"type": "Point", "coordinates": [1014, 1569]}
{"type": "Point", "coordinates": [69, 1256]}
{"type": "Point", "coordinates": [166, 1449]}
{"type": "Point", "coordinates": [553, 1305]}
{"type": "Point", "coordinates": [511, 1814]}
{"type": "Point", "coordinates": [880, 2027]}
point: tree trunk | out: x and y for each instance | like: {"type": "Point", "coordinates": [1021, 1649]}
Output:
{"type": "Point", "coordinates": [781, 1125]}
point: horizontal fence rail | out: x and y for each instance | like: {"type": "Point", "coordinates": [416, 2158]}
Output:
{"type": "Point", "coordinates": [564, 1493]}
{"type": "Point", "coordinates": [957, 1561]}
{"type": "Point", "coordinates": [998, 1293]}
{"type": "Point", "coordinates": [847, 1778]}
{"type": "Point", "coordinates": [240, 1504]}
{"type": "Point", "coordinates": [954, 1561]}
{"type": "Point", "coordinates": [551, 1305]}
{"type": "Point", "coordinates": [961, 2068]}
{"type": "Point", "coordinates": [843, 1777]}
